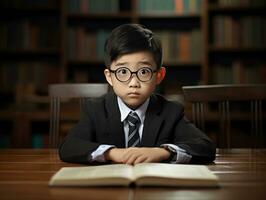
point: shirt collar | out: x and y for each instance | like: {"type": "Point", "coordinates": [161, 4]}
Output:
{"type": "Point", "coordinates": [125, 110]}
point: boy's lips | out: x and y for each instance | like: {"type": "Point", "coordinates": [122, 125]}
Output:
{"type": "Point", "coordinates": [133, 94]}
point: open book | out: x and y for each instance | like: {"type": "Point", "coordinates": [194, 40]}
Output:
{"type": "Point", "coordinates": [144, 174]}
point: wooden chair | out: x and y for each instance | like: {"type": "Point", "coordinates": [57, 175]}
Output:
{"type": "Point", "coordinates": [202, 97]}
{"type": "Point", "coordinates": [58, 92]}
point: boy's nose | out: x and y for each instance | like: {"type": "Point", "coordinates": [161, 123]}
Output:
{"type": "Point", "coordinates": [134, 81]}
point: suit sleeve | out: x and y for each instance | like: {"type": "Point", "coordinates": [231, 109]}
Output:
{"type": "Point", "coordinates": [78, 145]}
{"type": "Point", "coordinates": [194, 141]}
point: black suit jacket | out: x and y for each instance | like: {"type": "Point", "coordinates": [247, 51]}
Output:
{"type": "Point", "coordinates": [164, 123]}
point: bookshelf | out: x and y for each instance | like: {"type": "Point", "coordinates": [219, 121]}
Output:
{"type": "Point", "coordinates": [57, 41]}
{"type": "Point", "coordinates": [236, 44]}
{"type": "Point", "coordinates": [31, 59]}
{"type": "Point", "coordinates": [234, 37]}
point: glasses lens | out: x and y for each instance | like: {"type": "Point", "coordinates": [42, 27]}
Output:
{"type": "Point", "coordinates": [123, 74]}
{"type": "Point", "coordinates": [144, 74]}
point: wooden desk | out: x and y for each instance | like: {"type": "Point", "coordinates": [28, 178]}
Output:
{"type": "Point", "coordinates": [24, 174]}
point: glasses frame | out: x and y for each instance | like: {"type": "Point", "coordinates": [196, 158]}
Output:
{"type": "Point", "coordinates": [131, 73]}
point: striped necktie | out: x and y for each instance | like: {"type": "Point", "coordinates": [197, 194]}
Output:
{"type": "Point", "coordinates": [133, 134]}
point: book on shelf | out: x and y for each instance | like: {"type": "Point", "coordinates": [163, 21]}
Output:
{"type": "Point", "coordinates": [242, 3]}
{"type": "Point", "coordinates": [92, 6]}
{"type": "Point", "coordinates": [181, 46]}
{"type": "Point", "coordinates": [86, 45]}
{"type": "Point", "coordinates": [40, 140]}
{"type": "Point", "coordinates": [25, 34]}
{"type": "Point", "coordinates": [39, 74]}
{"type": "Point", "coordinates": [180, 7]}
{"type": "Point", "coordinates": [29, 4]}
{"type": "Point", "coordinates": [143, 174]}
{"type": "Point", "coordinates": [247, 31]}
{"type": "Point", "coordinates": [238, 72]}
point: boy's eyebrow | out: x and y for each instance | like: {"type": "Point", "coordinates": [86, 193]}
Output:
{"type": "Point", "coordinates": [141, 62]}
{"type": "Point", "coordinates": [121, 63]}
{"type": "Point", "coordinates": [145, 63]}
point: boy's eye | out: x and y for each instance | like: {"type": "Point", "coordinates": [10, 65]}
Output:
{"type": "Point", "coordinates": [144, 71]}
{"type": "Point", "coordinates": [122, 71]}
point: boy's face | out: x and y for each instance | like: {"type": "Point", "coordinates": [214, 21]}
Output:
{"type": "Point", "coordinates": [133, 91]}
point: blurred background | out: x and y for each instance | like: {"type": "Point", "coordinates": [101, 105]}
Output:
{"type": "Point", "coordinates": [61, 41]}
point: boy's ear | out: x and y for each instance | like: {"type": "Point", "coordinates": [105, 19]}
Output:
{"type": "Point", "coordinates": [108, 76]}
{"type": "Point", "coordinates": [160, 75]}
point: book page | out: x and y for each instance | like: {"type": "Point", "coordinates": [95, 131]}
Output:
{"type": "Point", "coordinates": [171, 171]}
{"type": "Point", "coordinates": [114, 174]}
{"type": "Point", "coordinates": [173, 174]}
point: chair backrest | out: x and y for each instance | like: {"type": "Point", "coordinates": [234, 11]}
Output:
{"type": "Point", "coordinates": [225, 96]}
{"type": "Point", "coordinates": [57, 92]}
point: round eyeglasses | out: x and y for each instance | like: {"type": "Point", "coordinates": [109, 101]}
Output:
{"type": "Point", "coordinates": [123, 74]}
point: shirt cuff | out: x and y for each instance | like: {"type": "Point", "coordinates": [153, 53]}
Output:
{"type": "Point", "coordinates": [98, 154]}
{"type": "Point", "coordinates": [181, 156]}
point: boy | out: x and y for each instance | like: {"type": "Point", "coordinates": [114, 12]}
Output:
{"type": "Point", "coordinates": [131, 124]}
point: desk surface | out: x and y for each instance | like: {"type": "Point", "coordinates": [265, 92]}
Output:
{"type": "Point", "coordinates": [24, 174]}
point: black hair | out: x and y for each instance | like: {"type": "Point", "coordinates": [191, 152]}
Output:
{"type": "Point", "coordinates": [130, 38]}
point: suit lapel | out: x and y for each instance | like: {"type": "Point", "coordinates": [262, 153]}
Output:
{"type": "Point", "coordinates": [114, 123]}
{"type": "Point", "coordinates": [152, 123]}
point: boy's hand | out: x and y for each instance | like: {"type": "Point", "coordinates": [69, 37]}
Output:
{"type": "Point", "coordinates": [115, 155]}
{"type": "Point", "coordinates": [134, 155]}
